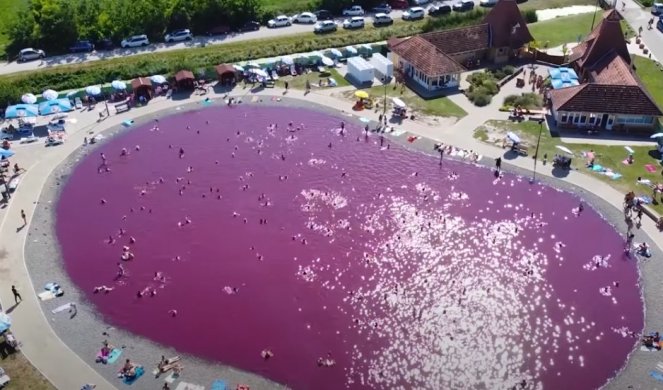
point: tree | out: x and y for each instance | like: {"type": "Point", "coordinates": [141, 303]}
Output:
{"type": "Point", "coordinates": [55, 23]}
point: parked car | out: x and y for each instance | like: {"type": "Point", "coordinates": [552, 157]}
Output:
{"type": "Point", "coordinates": [399, 4]}
{"type": "Point", "coordinates": [30, 54]}
{"type": "Point", "coordinates": [659, 25]}
{"type": "Point", "coordinates": [355, 10]}
{"type": "Point", "coordinates": [279, 21]}
{"type": "Point", "coordinates": [105, 44]}
{"type": "Point", "coordinates": [414, 13]}
{"type": "Point", "coordinates": [249, 26]}
{"type": "Point", "coordinates": [135, 41]}
{"type": "Point", "coordinates": [323, 14]}
{"type": "Point", "coordinates": [354, 22]}
{"type": "Point", "coordinates": [305, 17]}
{"type": "Point", "coordinates": [178, 36]}
{"type": "Point", "coordinates": [463, 5]}
{"type": "Point", "coordinates": [219, 30]}
{"type": "Point", "coordinates": [382, 8]}
{"type": "Point", "coordinates": [325, 26]}
{"type": "Point", "coordinates": [420, 2]}
{"type": "Point", "coordinates": [487, 3]}
{"type": "Point", "coordinates": [82, 46]}
{"type": "Point", "coordinates": [657, 8]}
{"type": "Point", "coordinates": [382, 20]}
{"type": "Point", "coordinates": [439, 9]}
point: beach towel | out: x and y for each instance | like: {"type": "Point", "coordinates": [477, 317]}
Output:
{"type": "Point", "coordinates": [656, 375]}
{"type": "Point", "coordinates": [114, 355]}
{"type": "Point", "coordinates": [219, 385]}
{"type": "Point", "coordinates": [397, 133]}
{"type": "Point", "coordinates": [645, 199]}
{"type": "Point", "coordinates": [615, 176]}
{"type": "Point", "coordinates": [207, 101]}
{"type": "Point", "coordinates": [597, 168]}
{"type": "Point", "coordinates": [254, 99]}
{"type": "Point", "coordinates": [276, 99]}
{"type": "Point", "coordinates": [189, 386]}
{"type": "Point", "coordinates": [46, 295]}
{"type": "Point", "coordinates": [128, 123]}
{"type": "Point", "coordinates": [62, 308]}
{"type": "Point", "coordinates": [412, 138]}
{"type": "Point", "coordinates": [650, 168]}
{"type": "Point", "coordinates": [130, 380]}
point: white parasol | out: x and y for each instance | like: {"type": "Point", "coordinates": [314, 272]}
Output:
{"type": "Point", "coordinates": [513, 137]}
{"type": "Point", "coordinates": [564, 149]}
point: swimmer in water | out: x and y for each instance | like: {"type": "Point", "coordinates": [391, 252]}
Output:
{"type": "Point", "coordinates": [181, 152]}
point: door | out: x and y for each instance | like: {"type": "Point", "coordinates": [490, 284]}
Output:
{"type": "Point", "coordinates": [611, 120]}
{"type": "Point", "coordinates": [604, 120]}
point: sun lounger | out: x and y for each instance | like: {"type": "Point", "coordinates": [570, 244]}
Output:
{"type": "Point", "coordinates": [78, 103]}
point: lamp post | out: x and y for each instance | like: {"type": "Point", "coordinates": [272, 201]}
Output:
{"type": "Point", "coordinates": [536, 152]}
{"type": "Point", "coordinates": [384, 104]}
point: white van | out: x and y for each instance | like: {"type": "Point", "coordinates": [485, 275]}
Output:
{"type": "Point", "coordinates": [657, 8]}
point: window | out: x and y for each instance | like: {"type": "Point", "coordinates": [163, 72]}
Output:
{"type": "Point", "coordinates": [583, 119]}
{"type": "Point", "coordinates": [564, 118]}
{"type": "Point", "coordinates": [592, 119]}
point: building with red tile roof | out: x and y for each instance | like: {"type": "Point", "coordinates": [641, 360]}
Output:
{"type": "Point", "coordinates": [611, 95]}
{"type": "Point", "coordinates": [435, 60]}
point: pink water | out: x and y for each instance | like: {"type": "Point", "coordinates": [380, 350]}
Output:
{"type": "Point", "coordinates": [405, 274]}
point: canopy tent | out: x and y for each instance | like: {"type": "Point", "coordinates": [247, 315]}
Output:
{"type": "Point", "coordinates": [513, 137]}
{"type": "Point", "coordinates": [563, 77]}
{"type": "Point", "coordinates": [326, 61]}
{"type": "Point", "coordinates": [158, 79]}
{"type": "Point", "coordinates": [49, 94]}
{"type": "Point", "coordinates": [185, 79]}
{"type": "Point", "coordinates": [287, 60]}
{"type": "Point", "coordinates": [226, 74]}
{"type": "Point", "coordinates": [29, 98]}
{"type": "Point", "coordinates": [335, 53]}
{"type": "Point", "coordinates": [258, 72]}
{"type": "Point", "coordinates": [5, 322]}
{"type": "Point", "coordinates": [142, 86]}
{"type": "Point", "coordinates": [350, 50]}
{"type": "Point", "coordinates": [21, 111]}
{"type": "Point", "coordinates": [55, 106]}
{"type": "Point", "coordinates": [93, 90]}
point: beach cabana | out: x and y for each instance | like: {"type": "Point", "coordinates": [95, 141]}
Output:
{"type": "Point", "coordinates": [226, 74]}
{"type": "Point", "coordinates": [55, 106]}
{"type": "Point", "coordinates": [21, 111]}
{"type": "Point", "coordinates": [184, 79]}
{"type": "Point", "coordinates": [142, 86]}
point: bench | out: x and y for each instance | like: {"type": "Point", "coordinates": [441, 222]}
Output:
{"type": "Point", "coordinates": [122, 107]}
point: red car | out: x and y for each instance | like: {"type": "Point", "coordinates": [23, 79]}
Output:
{"type": "Point", "coordinates": [399, 4]}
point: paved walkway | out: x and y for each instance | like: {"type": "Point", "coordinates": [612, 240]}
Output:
{"type": "Point", "coordinates": [67, 370]}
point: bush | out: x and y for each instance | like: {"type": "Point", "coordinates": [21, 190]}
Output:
{"type": "Point", "coordinates": [481, 99]}
{"type": "Point", "coordinates": [647, 3]}
{"type": "Point", "coordinates": [483, 87]}
{"type": "Point", "coordinates": [530, 16]}
{"type": "Point", "coordinates": [456, 19]}
{"type": "Point", "coordinates": [526, 100]}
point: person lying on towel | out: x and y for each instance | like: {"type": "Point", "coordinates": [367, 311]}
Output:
{"type": "Point", "coordinates": [129, 369]}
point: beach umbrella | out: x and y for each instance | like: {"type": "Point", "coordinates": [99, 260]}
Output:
{"type": "Point", "coordinates": [5, 321]}
{"type": "Point", "coordinates": [258, 72]}
{"type": "Point", "coordinates": [287, 60]}
{"type": "Point", "coordinates": [93, 90]}
{"type": "Point", "coordinates": [361, 94]}
{"type": "Point", "coordinates": [327, 61]}
{"type": "Point", "coordinates": [6, 153]}
{"type": "Point", "coordinates": [564, 149]}
{"type": "Point", "coordinates": [55, 106]}
{"type": "Point", "coordinates": [49, 94]}
{"type": "Point", "coordinates": [29, 98]}
{"type": "Point", "coordinates": [252, 64]}
{"type": "Point", "coordinates": [119, 85]}
{"type": "Point", "coordinates": [657, 135]}
{"type": "Point", "coordinates": [336, 53]}
{"type": "Point", "coordinates": [21, 111]}
{"type": "Point", "coordinates": [158, 79]}
{"type": "Point", "coordinates": [238, 68]}
{"type": "Point", "coordinates": [628, 149]}
{"type": "Point", "coordinates": [513, 137]}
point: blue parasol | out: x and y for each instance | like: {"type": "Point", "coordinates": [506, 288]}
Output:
{"type": "Point", "coordinates": [21, 111]}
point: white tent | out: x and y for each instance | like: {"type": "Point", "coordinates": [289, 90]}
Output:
{"type": "Point", "coordinates": [384, 69]}
{"type": "Point", "coordinates": [360, 71]}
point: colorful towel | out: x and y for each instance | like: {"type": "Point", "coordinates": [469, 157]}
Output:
{"type": "Point", "coordinates": [114, 355]}
{"type": "Point", "coordinates": [130, 380]}
{"type": "Point", "coordinates": [46, 295]}
{"type": "Point", "coordinates": [625, 162]}
{"type": "Point", "coordinates": [219, 385]}
{"type": "Point", "coordinates": [128, 123]}
{"type": "Point", "coordinates": [615, 176]}
{"type": "Point", "coordinates": [656, 375]}
{"type": "Point", "coordinates": [650, 168]}
{"type": "Point", "coordinates": [597, 168]}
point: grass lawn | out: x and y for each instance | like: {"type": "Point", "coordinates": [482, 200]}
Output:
{"type": "Point", "coordinates": [544, 4]}
{"type": "Point", "coordinates": [608, 156]}
{"type": "Point", "coordinates": [23, 375]}
{"type": "Point", "coordinates": [288, 6]}
{"type": "Point", "coordinates": [435, 107]}
{"type": "Point", "coordinates": [567, 29]}
{"type": "Point", "coordinates": [652, 77]}
{"type": "Point", "coordinates": [299, 82]}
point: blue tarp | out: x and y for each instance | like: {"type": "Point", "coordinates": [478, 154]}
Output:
{"type": "Point", "coordinates": [22, 111]}
{"type": "Point", "coordinates": [563, 77]}
{"type": "Point", "coordinates": [6, 153]}
{"type": "Point", "coordinates": [55, 106]}
{"type": "Point", "coordinates": [558, 83]}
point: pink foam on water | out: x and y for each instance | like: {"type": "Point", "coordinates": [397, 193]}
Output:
{"type": "Point", "coordinates": [426, 280]}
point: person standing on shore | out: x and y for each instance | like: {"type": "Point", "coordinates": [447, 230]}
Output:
{"type": "Point", "coordinates": [498, 164]}
{"type": "Point", "coordinates": [25, 220]}
{"type": "Point", "coordinates": [17, 296]}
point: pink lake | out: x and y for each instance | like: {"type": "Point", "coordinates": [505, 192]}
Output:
{"type": "Point", "coordinates": [403, 273]}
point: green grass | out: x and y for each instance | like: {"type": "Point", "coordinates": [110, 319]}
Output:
{"type": "Point", "coordinates": [9, 9]}
{"type": "Point", "coordinates": [23, 375]}
{"type": "Point", "coordinates": [299, 82]}
{"type": "Point", "coordinates": [544, 4]}
{"type": "Point", "coordinates": [651, 76]}
{"type": "Point", "coordinates": [562, 30]}
{"type": "Point", "coordinates": [436, 107]}
{"type": "Point", "coordinates": [285, 6]}
{"type": "Point", "coordinates": [608, 156]}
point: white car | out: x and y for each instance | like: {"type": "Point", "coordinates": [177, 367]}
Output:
{"type": "Point", "coordinates": [325, 26]}
{"type": "Point", "coordinates": [30, 54]}
{"type": "Point", "coordinates": [135, 41]}
{"type": "Point", "coordinates": [382, 20]}
{"type": "Point", "coordinates": [487, 3]}
{"type": "Point", "coordinates": [355, 10]}
{"type": "Point", "coordinates": [420, 2]}
{"type": "Point", "coordinates": [178, 36]}
{"type": "Point", "coordinates": [414, 13]}
{"type": "Point", "coordinates": [305, 17]}
{"type": "Point", "coordinates": [279, 21]}
{"type": "Point", "coordinates": [354, 22]}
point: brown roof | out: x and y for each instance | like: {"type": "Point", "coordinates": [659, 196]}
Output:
{"type": "Point", "coordinates": [224, 68]}
{"type": "Point", "coordinates": [507, 25]}
{"type": "Point", "coordinates": [184, 75]}
{"type": "Point", "coordinates": [426, 57]}
{"type": "Point", "coordinates": [459, 40]}
{"type": "Point", "coordinates": [140, 82]}
{"type": "Point", "coordinates": [612, 69]}
{"type": "Point", "coordinates": [578, 51]}
{"type": "Point", "coordinates": [602, 98]}
{"type": "Point", "coordinates": [393, 41]}
{"type": "Point", "coordinates": [605, 37]}
{"type": "Point", "coordinates": [610, 14]}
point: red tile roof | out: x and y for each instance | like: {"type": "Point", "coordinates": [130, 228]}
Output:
{"type": "Point", "coordinates": [460, 40]}
{"type": "Point", "coordinates": [426, 57]}
{"type": "Point", "coordinates": [508, 27]}
{"type": "Point", "coordinates": [603, 98]}
{"type": "Point", "coordinates": [606, 36]}
{"type": "Point", "coordinates": [184, 75]}
{"type": "Point", "coordinates": [612, 69]}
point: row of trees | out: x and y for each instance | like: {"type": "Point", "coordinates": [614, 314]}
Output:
{"type": "Point", "coordinates": [53, 25]}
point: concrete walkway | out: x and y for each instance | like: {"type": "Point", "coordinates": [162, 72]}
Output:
{"type": "Point", "coordinates": [63, 367]}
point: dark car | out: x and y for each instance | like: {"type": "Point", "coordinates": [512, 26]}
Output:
{"type": "Point", "coordinates": [105, 44]}
{"type": "Point", "coordinates": [382, 8]}
{"type": "Point", "coordinates": [218, 30]}
{"type": "Point", "coordinates": [659, 25]}
{"type": "Point", "coordinates": [439, 9]}
{"type": "Point", "coordinates": [82, 47]}
{"type": "Point", "coordinates": [249, 26]}
{"type": "Point", "coordinates": [399, 4]}
{"type": "Point", "coordinates": [323, 14]}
